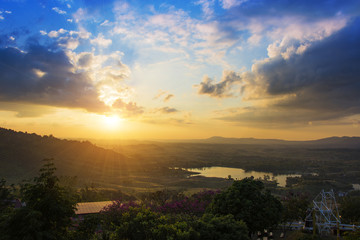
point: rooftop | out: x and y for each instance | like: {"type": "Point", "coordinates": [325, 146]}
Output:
{"type": "Point", "coordinates": [91, 207]}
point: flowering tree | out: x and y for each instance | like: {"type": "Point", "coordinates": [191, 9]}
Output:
{"type": "Point", "coordinates": [194, 205]}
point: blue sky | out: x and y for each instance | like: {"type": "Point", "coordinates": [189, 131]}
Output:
{"type": "Point", "coordinates": [181, 69]}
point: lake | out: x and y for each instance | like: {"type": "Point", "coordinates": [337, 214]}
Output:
{"type": "Point", "coordinates": [238, 173]}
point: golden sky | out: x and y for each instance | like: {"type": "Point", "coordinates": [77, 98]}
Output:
{"type": "Point", "coordinates": [180, 70]}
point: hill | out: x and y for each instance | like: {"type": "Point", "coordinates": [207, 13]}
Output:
{"type": "Point", "coordinates": [141, 166]}
{"type": "Point", "coordinates": [21, 156]}
{"type": "Point", "coordinates": [331, 142]}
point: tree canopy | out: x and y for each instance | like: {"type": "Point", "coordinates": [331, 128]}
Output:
{"type": "Point", "coordinates": [350, 209]}
{"type": "Point", "coordinates": [48, 209]}
{"type": "Point", "coordinates": [248, 201]}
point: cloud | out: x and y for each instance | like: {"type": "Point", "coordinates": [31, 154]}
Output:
{"type": "Point", "coordinates": [275, 117]}
{"type": "Point", "coordinates": [164, 96]}
{"type": "Point", "coordinates": [227, 4]}
{"type": "Point", "coordinates": [101, 41]}
{"type": "Point", "coordinates": [41, 76]}
{"type": "Point", "coordinates": [26, 110]}
{"type": "Point", "coordinates": [2, 12]}
{"type": "Point", "coordinates": [106, 72]}
{"type": "Point", "coordinates": [166, 110]}
{"type": "Point", "coordinates": [249, 23]}
{"type": "Point", "coordinates": [320, 83]}
{"type": "Point", "coordinates": [221, 89]}
{"type": "Point", "coordinates": [67, 39]}
{"type": "Point", "coordinates": [69, 42]}
{"type": "Point", "coordinates": [55, 34]}
{"type": "Point", "coordinates": [59, 11]}
{"type": "Point", "coordinates": [105, 23]}
{"type": "Point", "coordinates": [175, 31]}
{"type": "Point", "coordinates": [168, 97]}
{"type": "Point", "coordinates": [207, 7]}
{"type": "Point", "coordinates": [128, 109]}
{"type": "Point", "coordinates": [80, 15]}
{"type": "Point", "coordinates": [306, 9]}
{"type": "Point", "coordinates": [7, 40]}
{"type": "Point", "coordinates": [185, 120]}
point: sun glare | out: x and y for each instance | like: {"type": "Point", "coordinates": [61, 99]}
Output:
{"type": "Point", "coordinates": [112, 121]}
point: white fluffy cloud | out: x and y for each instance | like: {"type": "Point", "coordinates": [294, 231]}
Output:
{"type": "Point", "coordinates": [101, 41]}
{"type": "Point", "coordinates": [227, 4]}
{"type": "Point", "coordinates": [58, 10]}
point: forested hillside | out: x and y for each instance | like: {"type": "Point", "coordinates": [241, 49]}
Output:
{"type": "Point", "coordinates": [157, 165]}
{"type": "Point", "coordinates": [21, 155]}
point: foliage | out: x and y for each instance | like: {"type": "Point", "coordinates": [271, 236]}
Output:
{"type": "Point", "coordinates": [5, 195]}
{"type": "Point", "coordinates": [142, 223]}
{"type": "Point", "coordinates": [247, 201]}
{"type": "Point", "coordinates": [92, 194]}
{"type": "Point", "coordinates": [211, 227]}
{"type": "Point", "coordinates": [352, 235]}
{"type": "Point", "coordinates": [48, 208]}
{"type": "Point", "coordinates": [295, 206]}
{"type": "Point", "coordinates": [178, 230]}
{"type": "Point", "coordinates": [194, 205]}
{"type": "Point", "coordinates": [350, 209]}
{"type": "Point", "coordinates": [133, 221]}
{"type": "Point", "coordinates": [87, 228]}
{"type": "Point", "coordinates": [113, 214]}
{"type": "Point", "coordinates": [26, 223]}
{"type": "Point", "coordinates": [5, 206]}
{"type": "Point", "coordinates": [159, 198]}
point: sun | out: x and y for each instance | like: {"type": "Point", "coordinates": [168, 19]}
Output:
{"type": "Point", "coordinates": [112, 121]}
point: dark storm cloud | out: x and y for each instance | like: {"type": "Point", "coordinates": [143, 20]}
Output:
{"type": "Point", "coordinates": [309, 8]}
{"type": "Point", "coordinates": [325, 77]}
{"type": "Point", "coordinates": [46, 77]}
{"type": "Point", "coordinates": [320, 84]}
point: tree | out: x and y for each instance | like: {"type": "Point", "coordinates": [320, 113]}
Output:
{"type": "Point", "coordinates": [5, 196]}
{"type": "Point", "coordinates": [246, 200]}
{"type": "Point", "coordinates": [142, 223]}
{"type": "Point", "coordinates": [211, 227]}
{"type": "Point", "coordinates": [352, 235]}
{"type": "Point", "coordinates": [48, 208]}
{"type": "Point", "coordinates": [87, 228]}
{"type": "Point", "coordinates": [5, 206]}
{"type": "Point", "coordinates": [350, 209]}
{"type": "Point", "coordinates": [295, 207]}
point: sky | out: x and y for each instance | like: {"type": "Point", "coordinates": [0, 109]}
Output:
{"type": "Point", "coordinates": [160, 69]}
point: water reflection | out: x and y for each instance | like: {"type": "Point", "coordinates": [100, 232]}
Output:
{"type": "Point", "coordinates": [238, 173]}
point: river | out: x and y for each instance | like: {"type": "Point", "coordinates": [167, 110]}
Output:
{"type": "Point", "coordinates": [238, 173]}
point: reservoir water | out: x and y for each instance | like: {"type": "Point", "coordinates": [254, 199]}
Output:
{"type": "Point", "coordinates": [238, 173]}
